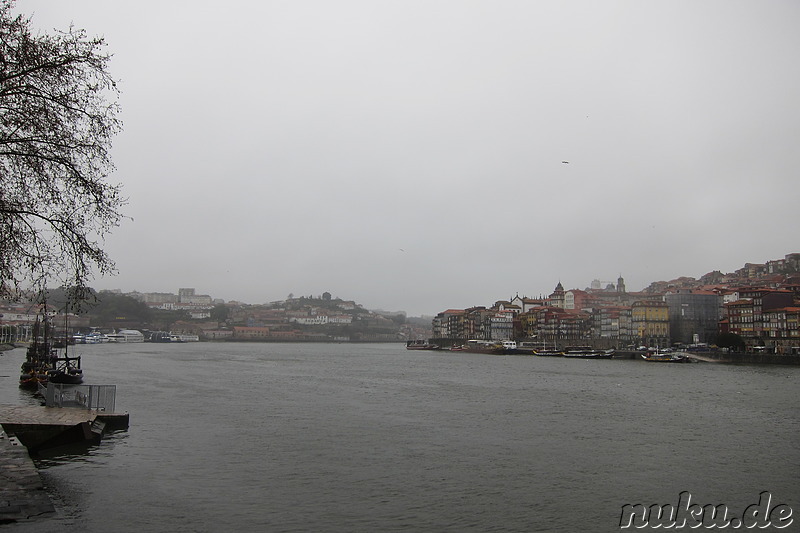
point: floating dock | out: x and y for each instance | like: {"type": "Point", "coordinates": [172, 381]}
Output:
{"type": "Point", "coordinates": [30, 429]}
{"type": "Point", "coordinates": [39, 428]}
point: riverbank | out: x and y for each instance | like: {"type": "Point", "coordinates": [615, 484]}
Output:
{"type": "Point", "coordinates": [22, 495]}
{"type": "Point", "coordinates": [747, 358]}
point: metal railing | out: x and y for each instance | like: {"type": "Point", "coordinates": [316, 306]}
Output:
{"type": "Point", "coordinates": [96, 397]}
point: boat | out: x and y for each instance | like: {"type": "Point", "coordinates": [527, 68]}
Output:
{"type": "Point", "coordinates": [526, 347]}
{"type": "Point", "coordinates": [126, 335]}
{"type": "Point", "coordinates": [95, 337]}
{"type": "Point", "coordinates": [666, 357]}
{"type": "Point", "coordinates": [39, 358]}
{"type": "Point", "coordinates": [160, 336]}
{"type": "Point", "coordinates": [539, 348]}
{"type": "Point", "coordinates": [510, 346]}
{"type": "Point", "coordinates": [32, 379]}
{"type": "Point", "coordinates": [536, 348]}
{"type": "Point", "coordinates": [551, 352]}
{"type": "Point", "coordinates": [587, 352]}
{"type": "Point", "coordinates": [487, 347]}
{"type": "Point", "coordinates": [66, 371]}
{"type": "Point", "coordinates": [421, 344]}
{"type": "Point", "coordinates": [62, 342]}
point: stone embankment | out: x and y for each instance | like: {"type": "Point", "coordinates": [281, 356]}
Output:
{"type": "Point", "coordinates": [22, 495]}
{"type": "Point", "coordinates": [747, 358]}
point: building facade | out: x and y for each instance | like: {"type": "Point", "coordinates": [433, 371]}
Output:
{"type": "Point", "coordinates": [694, 315]}
{"type": "Point", "coordinates": [650, 323]}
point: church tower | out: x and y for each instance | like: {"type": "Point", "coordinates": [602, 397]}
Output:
{"type": "Point", "coordinates": [557, 297]}
{"type": "Point", "coordinates": [620, 284]}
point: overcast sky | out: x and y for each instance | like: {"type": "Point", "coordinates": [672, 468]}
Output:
{"type": "Point", "coordinates": [409, 155]}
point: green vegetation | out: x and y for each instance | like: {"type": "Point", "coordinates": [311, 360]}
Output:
{"type": "Point", "coordinates": [111, 310]}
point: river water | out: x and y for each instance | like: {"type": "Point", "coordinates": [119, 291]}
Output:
{"type": "Point", "coordinates": [375, 438]}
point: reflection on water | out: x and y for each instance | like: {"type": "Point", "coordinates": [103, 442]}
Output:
{"type": "Point", "coordinates": [80, 452]}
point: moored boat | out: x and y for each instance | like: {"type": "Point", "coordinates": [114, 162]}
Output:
{"type": "Point", "coordinates": [587, 352]}
{"type": "Point", "coordinates": [42, 364]}
{"type": "Point", "coordinates": [551, 352]}
{"type": "Point", "coordinates": [666, 357]}
{"type": "Point", "coordinates": [510, 346]}
{"type": "Point", "coordinates": [527, 347]}
{"type": "Point", "coordinates": [487, 347]}
{"type": "Point", "coordinates": [539, 348]}
{"type": "Point", "coordinates": [67, 370]}
{"type": "Point", "coordinates": [126, 335]}
{"type": "Point", "coordinates": [95, 337]}
{"type": "Point", "coordinates": [160, 336]}
{"type": "Point", "coordinates": [421, 344]}
{"type": "Point", "coordinates": [39, 358]}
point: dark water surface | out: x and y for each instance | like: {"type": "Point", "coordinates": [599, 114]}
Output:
{"type": "Point", "coordinates": [373, 438]}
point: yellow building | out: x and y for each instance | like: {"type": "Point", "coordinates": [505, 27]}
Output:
{"type": "Point", "coordinates": [650, 321]}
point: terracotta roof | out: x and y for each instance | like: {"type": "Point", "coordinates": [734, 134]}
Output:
{"type": "Point", "coordinates": [741, 302]}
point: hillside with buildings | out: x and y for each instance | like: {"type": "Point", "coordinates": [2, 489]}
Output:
{"type": "Point", "coordinates": [754, 308]}
{"type": "Point", "coordinates": [306, 318]}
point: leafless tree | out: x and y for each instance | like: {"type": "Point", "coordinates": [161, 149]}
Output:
{"type": "Point", "coordinates": [58, 114]}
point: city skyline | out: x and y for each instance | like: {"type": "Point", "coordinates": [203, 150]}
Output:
{"type": "Point", "coordinates": [790, 259]}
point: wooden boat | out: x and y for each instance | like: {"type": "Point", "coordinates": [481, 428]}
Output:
{"type": "Point", "coordinates": [541, 349]}
{"type": "Point", "coordinates": [421, 345]}
{"type": "Point", "coordinates": [32, 379]}
{"type": "Point", "coordinates": [42, 364]}
{"type": "Point", "coordinates": [587, 352]}
{"type": "Point", "coordinates": [549, 353]}
{"type": "Point", "coordinates": [39, 358]}
{"type": "Point", "coordinates": [66, 371]}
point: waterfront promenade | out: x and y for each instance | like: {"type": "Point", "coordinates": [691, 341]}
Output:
{"type": "Point", "coordinates": [22, 495]}
{"type": "Point", "coordinates": [29, 428]}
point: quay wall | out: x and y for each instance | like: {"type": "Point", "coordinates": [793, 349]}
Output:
{"type": "Point", "coordinates": [747, 358]}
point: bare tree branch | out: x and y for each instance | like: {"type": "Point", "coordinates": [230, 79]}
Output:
{"type": "Point", "coordinates": [58, 114]}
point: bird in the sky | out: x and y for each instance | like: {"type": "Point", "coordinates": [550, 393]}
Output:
{"type": "Point", "coordinates": [565, 162]}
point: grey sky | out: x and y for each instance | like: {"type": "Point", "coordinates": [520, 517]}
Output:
{"type": "Point", "coordinates": [408, 154]}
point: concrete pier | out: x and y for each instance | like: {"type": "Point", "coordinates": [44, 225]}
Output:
{"type": "Point", "coordinates": [40, 428]}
